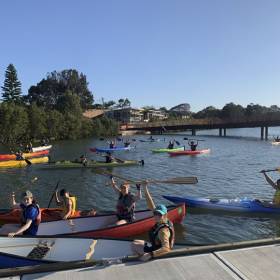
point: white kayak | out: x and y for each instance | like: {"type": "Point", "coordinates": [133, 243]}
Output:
{"type": "Point", "coordinates": [41, 148]}
{"type": "Point", "coordinates": [28, 251]}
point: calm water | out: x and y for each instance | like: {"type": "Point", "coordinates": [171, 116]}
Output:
{"type": "Point", "coordinates": [231, 170]}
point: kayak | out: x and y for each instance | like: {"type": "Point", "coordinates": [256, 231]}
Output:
{"type": "Point", "coordinates": [22, 163]}
{"type": "Point", "coordinates": [91, 164]}
{"type": "Point", "coordinates": [104, 150]}
{"type": "Point", "coordinates": [31, 251]}
{"type": "Point", "coordinates": [13, 216]}
{"type": "Point", "coordinates": [275, 143]}
{"type": "Point", "coordinates": [168, 150]}
{"type": "Point", "coordinates": [243, 205]}
{"type": "Point", "coordinates": [150, 140]}
{"type": "Point", "coordinates": [26, 155]}
{"type": "Point", "coordinates": [102, 225]}
{"type": "Point", "coordinates": [189, 152]}
{"type": "Point", "coordinates": [41, 148]}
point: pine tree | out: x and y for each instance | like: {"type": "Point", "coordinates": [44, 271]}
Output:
{"type": "Point", "coordinates": [11, 91]}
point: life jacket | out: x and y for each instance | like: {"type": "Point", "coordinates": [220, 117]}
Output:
{"type": "Point", "coordinates": [276, 198]}
{"type": "Point", "coordinates": [24, 210]}
{"type": "Point", "coordinates": [154, 238]}
{"type": "Point", "coordinates": [126, 207]}
{"type": "Point", "coordinates": [74, 204]}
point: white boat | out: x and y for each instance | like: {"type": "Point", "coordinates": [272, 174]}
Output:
{"type": "Point", "coordinates": [28, 251]}
{"type": "Point", "coordinates": [41, 148]}
{"type": "Point", "coordinates": [275, 142]}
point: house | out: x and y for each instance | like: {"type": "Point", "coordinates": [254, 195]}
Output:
{"type": "Point", "coordinates": [125, 115]}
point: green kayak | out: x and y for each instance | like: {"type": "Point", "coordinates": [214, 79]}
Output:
{"type": "Point", "coordinates": [91, 164]}
{"type": "Point", "coordinates": [168, 150]}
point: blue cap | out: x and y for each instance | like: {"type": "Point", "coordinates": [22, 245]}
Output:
{"type": "Point", "coordinates": [161, 209]}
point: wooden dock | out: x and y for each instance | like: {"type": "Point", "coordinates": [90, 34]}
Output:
{"type": "Point", "coordinates": [257, 262]}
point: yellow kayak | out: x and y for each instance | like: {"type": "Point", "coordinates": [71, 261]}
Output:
{"type": "Point", "coordinates": [22, 163]}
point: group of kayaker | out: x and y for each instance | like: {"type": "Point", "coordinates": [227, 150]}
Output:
{"type": "Point", "coordinates": [161, 236]}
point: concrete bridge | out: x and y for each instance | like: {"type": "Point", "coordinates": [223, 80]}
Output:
{"type": "Point", "coordinates": [204, 124]}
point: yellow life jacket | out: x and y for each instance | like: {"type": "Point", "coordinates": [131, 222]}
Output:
{"type": "Point", "coordinates": [74, 204]}
{"type": "Point", "coordinates": [276, 198]}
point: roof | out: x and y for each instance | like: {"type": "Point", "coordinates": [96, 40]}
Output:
{"type": "Point", "coordinates": [93, 113]}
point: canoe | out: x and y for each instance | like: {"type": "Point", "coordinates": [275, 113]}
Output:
{"type": "Point", "coordinates": [91, 164]}
{"type": "Point", "coordinates": [13, 216]}
{"type": "Point", "coordinates": [102, 225]}
{"type": "Point", "coordinates": [22, 163]}
{"type": "Point", "coordinates": [165, 150]}
{"type": "Point", "coordinates": [189, 152]}
{"type": "Point", "coordinates": [244, 205]}
{"type": "Point", "coordinates": [41, 148]}
{"type": "Point", "coordinates": [30, 251]}
{"type": "Point", "coordinates": [105, 150]}
{"type": "Point", "coordinates": [26, 155]}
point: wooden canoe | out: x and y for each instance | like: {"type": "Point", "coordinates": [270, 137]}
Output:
{"type": "Point", "coordinates": [13, 216]}
{"type": "Point", "coordinates": [30, 251]}
{"type": "Point", "coordinates": [102, 225]}
{"type": "Point", "coordinates": [26, 155]}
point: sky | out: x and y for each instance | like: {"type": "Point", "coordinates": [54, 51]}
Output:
{"type": "Point", "coordinates": [153, 52]}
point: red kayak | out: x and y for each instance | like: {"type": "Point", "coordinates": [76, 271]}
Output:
{"type": "Point", "coordinates": [26, 155]}
{"type": "Point", "coordinates": [13, 216]}
{"type": "Point", "coordinates": [188, 152]}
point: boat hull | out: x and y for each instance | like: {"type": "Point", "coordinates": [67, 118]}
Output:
{"type": "Point", "coordinates": [26, 155]}
{"type": "Point", "coordinates": [168, 150]}
{"type": "Point", "coordinates": [189, 152]}
{"type": "Point", "coordinates": [41, 148]}
{"type": "Point", "coordinates": [22, 163]}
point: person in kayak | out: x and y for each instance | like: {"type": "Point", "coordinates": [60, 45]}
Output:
{"type": "Point", "coordinates": [31, 215]}
{"type": "Point", "coordinates": [109, 158]}
{"type": "Point", "coordinates": [83, 160]}
{"type": "Point", "coordinates": [193, 145]}
{"type": "Point", "coordinates": [19, 155]}
{"type": "Point", "coordinates": [112, 144]}
{"type": "Point", "coordinates": [170, 145]}
{"type": "Point", "coordinates": [277, 139]}
{"type": "Point", "coordinates": [126, 202]}
{"type": "Point", "coordinates": [68, 203]}
{"type": "Point", "coordinates": [161, 236]}
{"type": "Point", "coordinates": [127, 143]}
{"type": "Point", "coordinates": [276, 186]}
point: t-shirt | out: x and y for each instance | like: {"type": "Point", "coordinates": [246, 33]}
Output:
{"type": "Point", "coordinates": [30, 213]}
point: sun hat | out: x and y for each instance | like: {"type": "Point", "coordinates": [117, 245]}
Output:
{"type": "Point", "coordinates": [161, 209]}
{"type": "Point", "coordinates": [27, 193]}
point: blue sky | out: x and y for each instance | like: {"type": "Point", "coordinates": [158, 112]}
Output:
{"type": "Point", "coordinates": [154, 52]}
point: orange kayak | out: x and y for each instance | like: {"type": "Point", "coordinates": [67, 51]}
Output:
{"type": "Point", "coordinates": [13, 216]}
{"type": "Point", "coordinates": [26, 155]}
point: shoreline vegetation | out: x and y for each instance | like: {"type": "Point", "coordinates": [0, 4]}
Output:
{"type": "Point", "coordinates": [53, 109]}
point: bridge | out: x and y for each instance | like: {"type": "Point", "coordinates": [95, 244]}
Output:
{"type": "Point", "coordinates": [203, 124]}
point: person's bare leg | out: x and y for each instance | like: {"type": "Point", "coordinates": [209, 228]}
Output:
{"type": "Point", "coordinates": [137, 247]}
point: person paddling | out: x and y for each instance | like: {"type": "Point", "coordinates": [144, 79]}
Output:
{"type": "Point", "coordinates": [31, 215]}
{"type": "Point", "coordinates": [276, 186]}
{"type": "Point", "coordinates": [83, 160]}
{"type": "Point", "coordinates": [19, 155]}
{"type": "Point", "coordinates": [126, 202]}
{"type": "Point", "coordinates": [68, 203]}
{"type": "Point", "coordinates": [170, 145]}
{"type": "Point", "coordinates": [161, 236]}
{"type": "Point", "coordinates": [127, 143]}
{"type": "Point", "coordinates": [193, 145]}
{"type": "Point", "coordinates": [112, 144]}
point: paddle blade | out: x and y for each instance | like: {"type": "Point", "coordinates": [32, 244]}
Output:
{"type": "Point", "coordinates": [92, 150]}
{"type": "Point", "coordinates": [178, 143]}
{"type": "Point", "coordinates": [180, 181]}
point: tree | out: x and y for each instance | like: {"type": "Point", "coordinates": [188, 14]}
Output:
{"type": "Point", "coordinates": [11, 91]}
{"type": "Point", "coordinates": [48, 91]}
{"type": "Point", "coordinates": [37, 122]}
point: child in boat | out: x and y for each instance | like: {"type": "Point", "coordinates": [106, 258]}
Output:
{"type": "Point", "coordinates": [170, 145]}
{"type": "Point", "coordinates": [68, 203]}
{"type": "Point", "coordinates": [161, 235]}
{"type": "Point", "coordinates": [193, 145]}
{"type": "Point", "coordinates": [276, 186]}
{"type": "Point", "coordinates": [31, 215]}
{"type": "Point", "coordinates": [126, 202]}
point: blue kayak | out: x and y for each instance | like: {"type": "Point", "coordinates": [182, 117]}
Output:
{"type": "Point", "coordinates": [243, 205]}
{"type": "Point", "coordinates": [104, 150]}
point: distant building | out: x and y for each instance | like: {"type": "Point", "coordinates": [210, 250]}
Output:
{"type": "Point", "coordinates": [125, 115]}
{"type": "Point", "coordinates": [182, 110]}
{"type": "Point", "coordinates": [154, 114]}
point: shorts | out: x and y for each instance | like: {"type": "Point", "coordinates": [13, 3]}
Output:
{"type": "Point", "coordinates": [148, 248]}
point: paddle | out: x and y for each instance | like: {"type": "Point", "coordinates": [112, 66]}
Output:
{"type": "Point", "coordinates": [270, 170]}
{"type": "Point", "coordinates": [177, 142]}
{"type": "Point", "coordinates": [28, 161]}
{"type": "Point", "coordinates": [56, 187]}
{"type": "Point", "coordinates": [176, 180]}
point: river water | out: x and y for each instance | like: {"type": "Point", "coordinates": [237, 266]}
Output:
{"type": "Point", "coordinates": [230, 170]}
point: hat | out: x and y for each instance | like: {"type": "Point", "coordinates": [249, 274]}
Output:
{"type": "Point", "coordinates": [27, 193]}
{"type": "Point", "coordinates": [161, 209]}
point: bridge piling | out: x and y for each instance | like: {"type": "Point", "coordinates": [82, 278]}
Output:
{"type": "Point", "coordinates": [266, 133]}
{"type": "Point", "coordinates": [220, 132]}
{"type": "Point", "coordinates": [262, 132]}
{"type": "Point", "coordinates": [225, 132]}
{"type": "Point", "coordinates": [193, 132]}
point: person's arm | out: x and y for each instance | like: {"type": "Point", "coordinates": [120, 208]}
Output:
{"type": "Point", "coordinates": [269, 180]}
{"type": "Point", "coordinates": [21, 229]}
{"type": "Point", "coordinates": [114, 186]}
{"type": "Point", "coordinates": [164, 235]}
{"type": "Point", "coordinates": [58, 202]}
{"type": "Point", "coordinates": [138, 195]}
{"type": "Point", "coordinates": [69, 210]}
{"type": "Point", "coordinates": [149, 200]}
{"type": "Point", "coordinates": [14, 203]}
